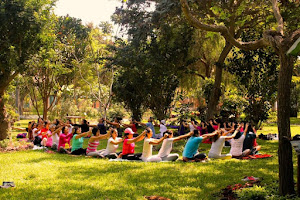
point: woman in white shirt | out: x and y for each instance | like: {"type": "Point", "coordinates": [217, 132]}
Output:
{"type": "Point", "coordinates": [165, 151]}
{"type": "Point", "coordinates": [112, 145]}
{"type": "Point", "coordinates": [218, 143]}
{"type": "Point", "coordinates": [148, 144]}
{"type": "Point", "coordinates": [237, 144]}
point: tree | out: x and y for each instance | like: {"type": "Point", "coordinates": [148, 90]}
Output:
{"type": "Point", "coordinates": [98, 78]}
{"type": "Point", "coordinates": [257, 75]}
{"type": "Point", "coordinates": [21, 24]}
{"type": "Point", "coordinates": [280, 40]}
{"type": "Point", "coordinates": [52, 67]}
{"type": "Point", "coordinates": [157, 51]}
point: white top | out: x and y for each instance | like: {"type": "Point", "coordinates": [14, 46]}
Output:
{"type": "Point", "coordinates": [147, 149]}
{"type": "Point", "coordinates": [217, 146]}
{"type": "Point", "coordinates": [166, 147]}
{"type": "Point", "coordinates": [192, 128]}
{"type": "Point", "coordinates": [237, 146]}
{"type": "Point", "coordinates": [35, 132]}
{"type": "Point", "coordinates": [55, 139]}
{"type": "Point", "coordinates": [111, 148]}
{"type": "Point", "coordinates": [162, 129]}
{"type": "Point", "coordinates": [70, 129]}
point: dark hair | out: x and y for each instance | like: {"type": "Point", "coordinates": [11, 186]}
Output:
{"type": "Point", "coordinates": [125, 135]}
{"type": "Point", "coordinates": [57, 122]}
{"type": "Point", "coordinates": [215, 137]}
{"type": "Point", "coordinates": [75, 129]}
{"type": "Point", "coordinates": [196, 133]}
{"type": "Point", "coordinates": [94, 131]}
{"type": "Point", "coordinates": [238, 135]}
{"type": "Point", "coordinates": [250, 128]}
{"type": "Point", "coordinates": [84, 121]}
{"type": "Point", "coordinates": [169, 132]}
{"type": "Point", "coordinates": [63, 129]}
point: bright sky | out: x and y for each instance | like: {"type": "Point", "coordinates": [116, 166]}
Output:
{"type": "Point", "coordinates": [88, 10]}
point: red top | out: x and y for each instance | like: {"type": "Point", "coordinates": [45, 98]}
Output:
{"type": "Point", "coordinates": [134, 129]}
{"type": "Point", "coordinates": [43, 133]}
{"type": "Point", "coordinates": [128, 148]}
{"type": "Point", "coordinates": [63, 139]}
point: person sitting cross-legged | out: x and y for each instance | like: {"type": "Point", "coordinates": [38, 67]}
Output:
{"type": "Point", "coordinates": [148, 144]}
{"type": "Point", "coordinates": [112, 144]}
{"type": "Point", "coordinates": [94, 143]}
{"type": "Point", "coordinates": [165, 151]}
{"type": "Point", "coordinates": [190, 152]}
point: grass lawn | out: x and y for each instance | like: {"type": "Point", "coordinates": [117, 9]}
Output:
{"type": "Point", "coordinates": [39, 175]}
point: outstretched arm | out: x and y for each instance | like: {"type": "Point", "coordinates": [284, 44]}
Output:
{"type": "Point", "coordinates": [156, 142]}
{"type": "Point", "coordinates": [234, 134]}
{"type": "Point", "coordinates": [210, 134]}
{"type": "Point", "coordinates": [142, 124]}
{"type": "Point", "coordinates": [183, 136]}
{"type": "Point", "coordinates": [85, 134]}
{"type": "Point", "coordinates": [102, 137]}
{"type": "Point", "coordinates": [115, 143]}
{"type": "Point", "coordinates": [138, 138]}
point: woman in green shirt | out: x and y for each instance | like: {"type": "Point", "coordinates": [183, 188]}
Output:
{"type": "Point", "coordinates": [77, 141]}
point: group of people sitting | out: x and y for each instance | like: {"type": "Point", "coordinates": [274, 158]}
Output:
{"type": "Point", "coordinates": [68, 138]}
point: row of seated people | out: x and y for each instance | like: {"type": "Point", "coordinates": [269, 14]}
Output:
{"type": "Point", "coordinates": [59, 136]}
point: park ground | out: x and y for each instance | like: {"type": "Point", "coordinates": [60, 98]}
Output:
{"type": "Point", "coordinates": [40, 175]}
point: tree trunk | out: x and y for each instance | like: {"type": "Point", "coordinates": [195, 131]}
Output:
{"type": "Point", "coordinates": [3, 118]}
{"type": "Point", "coordinates": [45, 108]}
{"type": "Point", "coordinates": [285, 155]}
{"type": "Point", "coordinates": [216, 92]}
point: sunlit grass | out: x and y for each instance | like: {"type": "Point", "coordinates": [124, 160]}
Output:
{"type": "Point", "coordinates": [39, 175]}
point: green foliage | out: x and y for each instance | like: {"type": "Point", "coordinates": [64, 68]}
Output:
{"type": "Point", "coordinates": [182, 109]}
{"type": "Point", "coordinates": [254, 193]}
{"type": "Point", "coordinates": [232, 105]}
{"type": "Point", "coordinates": [257, 74]}
{"type": "Point", "coordinates": [21, 24]}
{"type": "Point", "coordinates": [150, 62]}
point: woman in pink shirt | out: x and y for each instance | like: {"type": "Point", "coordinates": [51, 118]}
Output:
{"type": "Point", "coordinates": [64, 139]}
{"type": "Point", "coordinates": [129, 144]}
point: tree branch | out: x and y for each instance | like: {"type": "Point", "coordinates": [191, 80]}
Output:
{"type": "Point", "coordinates": [223, 30]}
{"type": "Point", "coordinates": [278, 16]}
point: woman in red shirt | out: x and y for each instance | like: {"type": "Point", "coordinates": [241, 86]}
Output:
{"type": "Point", "coordinates": [129, 144]}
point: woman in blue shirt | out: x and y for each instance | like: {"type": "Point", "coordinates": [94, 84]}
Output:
{"type": "Point", "coordinates": [190, 152]}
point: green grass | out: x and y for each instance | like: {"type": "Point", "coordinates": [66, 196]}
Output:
{"type": "Point", "coordinates": [40, 175]}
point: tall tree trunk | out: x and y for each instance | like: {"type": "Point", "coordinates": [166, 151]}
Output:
{"type": "Point", "coordinates": [216, 92]}
{"type": "Point", "coordinates": [45, 108]}
{"type": "Point", "coordinates": [285, 155]}
{"type": "Point", "coordinates": [3, 118]}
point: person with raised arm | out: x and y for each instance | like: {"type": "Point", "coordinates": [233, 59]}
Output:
{"type": "Point", "coordinates": [129, 145]}
{"type": "Point", "coordinates": [117, 124]}
{"type": "Point", "coordinates": [148, 144]}
{"type": "Point", "coordinates": [237, 144]}
{"type": "Point", "coordinates": [94, 143]}
{"type": "Point", "coordinates": [150, 125]}
{"type": "Point", "coordinates": [249, 142]}
{"type": "Point", "coordinates": [218, 141]}
{"type": "Point", "coordinates": [162, 128]}
{"type": "Point", "coordinates": [112, 145]}
{"type": "Point", "coordinates": [64, 140]}
{"type": "Point", "coordinates": [77, 141]}
{"type": "Point", "coordinates": [165, 151]}
{"type": "Point", "coordinates": [132, 124]}
{"type": "Point", "coordinates": [190, 152]}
